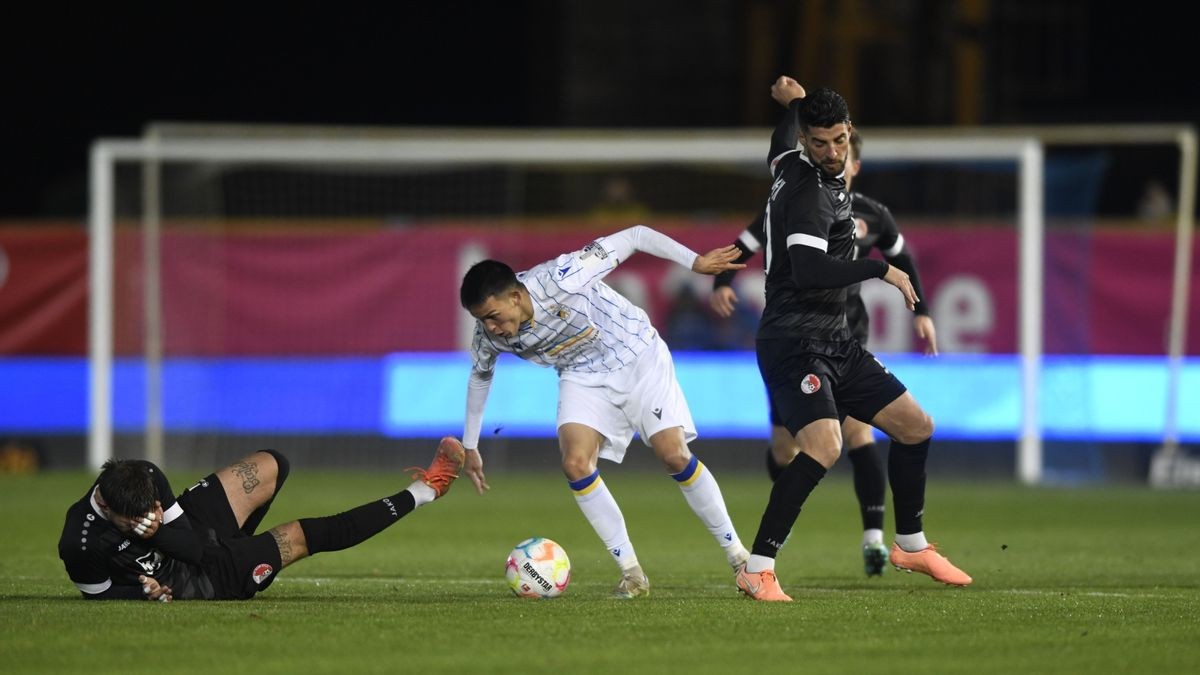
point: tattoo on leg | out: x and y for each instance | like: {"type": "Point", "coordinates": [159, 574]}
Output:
{"type": "Point", "coordinates": [248, 472]}
{"type": "Point", "coordinates": [286, 556]}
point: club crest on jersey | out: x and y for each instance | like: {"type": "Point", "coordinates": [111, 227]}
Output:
{"type": "Point", "coordinates": [561, 312]}
{"type": "Point", "coordinates": [261, 572]}
{"type": "Point", "coordinates": [810, 384]}
{"type": "Point", "coordinates": [593, 249]}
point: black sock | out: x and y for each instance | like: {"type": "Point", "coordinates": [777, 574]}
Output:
{"type": "Point", "coordinates": [256, 516]}
{"type": "Point", "coordinates": [906, 471]}
{"type": "Point", "coordinates": [773, 468]}
{"type": "Point", "coordinates": [791, 489]}
{"type": "Point", "coordinates": [869, 484]}
{"type": "Point", "coordinates": [334, 533]}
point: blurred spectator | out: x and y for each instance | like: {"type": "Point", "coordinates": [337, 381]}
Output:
{"type": "Point", "coordinates": [689, 327]}
{"type": "Point", "coordinates": [619, 205]}
{"type": "Point", "coordinates": [1155, 202]}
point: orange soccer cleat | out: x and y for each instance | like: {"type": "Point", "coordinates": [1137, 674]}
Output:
{"type": "Point", "coordinates": [445, 466]}
{"type": "Point", "coordinates": [929, 561]}
{"type": "Point", "coordinates": [760, 585]}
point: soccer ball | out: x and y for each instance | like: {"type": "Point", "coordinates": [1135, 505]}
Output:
{"type": "Point", "coordinates": [538, 568]}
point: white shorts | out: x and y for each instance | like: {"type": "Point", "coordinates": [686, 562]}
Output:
{"type": "Point", "coordinates": [643, 397]}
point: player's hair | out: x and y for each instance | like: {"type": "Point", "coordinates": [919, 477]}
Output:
{"type": "Point", "coordinates": [127, 487]}
{"type": "Point", "coordinates": [483, 280]}
{"type": "Point", "coordinates": [823, 108]}
{"type": "Point", "coordinates": [856, 144]}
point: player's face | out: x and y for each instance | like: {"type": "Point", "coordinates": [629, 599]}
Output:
{"type": "Point", "coordinates": [501, 314]}
{"type": "Point", "coordinates": [828, 146]}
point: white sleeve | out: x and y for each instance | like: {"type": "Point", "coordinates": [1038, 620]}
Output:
{"type": "Point", "coordinates": [478, 386]}
{"type": "Point", "coordinates": [625, 243]}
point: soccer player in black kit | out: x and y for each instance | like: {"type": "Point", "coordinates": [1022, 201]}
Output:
{"type": "Point", "coordinates": [815, 372]}
{"type": "Point", "coordinates": [129, 538]}
{"type": "Point", "coordinates": [874, 228]}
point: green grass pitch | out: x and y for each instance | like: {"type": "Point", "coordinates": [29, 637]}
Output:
{"type": "Point", "coordinates": [1066, 580]}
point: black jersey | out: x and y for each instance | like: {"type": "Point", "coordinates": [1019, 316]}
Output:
{"type": "Point", "coordinates": [104, 562]}
{"type": "Point", "coordinates": [881, 232]}
{"type": "Point", "coordinates": [809, 208]}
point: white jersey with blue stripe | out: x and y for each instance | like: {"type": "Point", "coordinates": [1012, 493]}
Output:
{"type": "Point", "coordinates": [580, 324]}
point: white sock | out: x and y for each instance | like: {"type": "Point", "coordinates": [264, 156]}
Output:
{"type": "Point", "coordinates": [422, 493]}
{"type": "Point", "coordinates": [759, 563]}
{"type": "Point", "coordinates": [873, 536]}
{"type": "Point", "coordinates": [702, 493]}
{"type": "Point", "coordinates": [912, 542]}
{"type": "Point", "coordinates": [601, 510]}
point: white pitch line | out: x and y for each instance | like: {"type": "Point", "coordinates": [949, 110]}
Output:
{"type": "Point", "coordinates": [501, 582]}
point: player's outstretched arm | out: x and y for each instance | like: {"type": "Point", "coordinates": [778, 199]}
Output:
{"type": "Point", "coordinates": [923, 325]}
{"type": "Point", "coordinates": [785, 90]}
{"type": "Point", "coordinates": [718, 260]}
{"type": "Point", "coordinates": [473, 467]}
{"type": "Point", "coordinates": [897, 277]}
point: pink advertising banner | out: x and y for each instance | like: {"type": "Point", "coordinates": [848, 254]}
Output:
{"type": "Point", "coordinates": [361, 291]}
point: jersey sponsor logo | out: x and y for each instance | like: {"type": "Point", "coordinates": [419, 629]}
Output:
{"type": "Point", "coordinates": [810, 384]}
{"type": "Point", "coordinates": [657, 413]}
{"type": "Point", "coordinates": [261, 572]}
{"type": "Point", "coordinates": [124, 545]}
{"type": "Point", "coordinates": [593, 249]}
{"type": "Point", "coordinates": [776, 187]}
{"type": "Point", "coordinates": [562, 271]}
{"type": "Point", "coordinates": [150, 562]}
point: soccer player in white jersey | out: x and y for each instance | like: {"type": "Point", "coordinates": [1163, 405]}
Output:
{"type": "Point", "coordinates": [616, 377]}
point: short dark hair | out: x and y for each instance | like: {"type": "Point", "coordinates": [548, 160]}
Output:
{"type": "Point", "coordinates": [856, 144]}
{"type": "Point", "coordinates": [823, 108]}
{"type": "Point", "coordinates": [483, 280]}
{"type": "Point", "coordinates": [127, 486]}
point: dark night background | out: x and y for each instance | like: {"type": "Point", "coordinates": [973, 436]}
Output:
{"type": "Point", "coordinates": [73, 74]}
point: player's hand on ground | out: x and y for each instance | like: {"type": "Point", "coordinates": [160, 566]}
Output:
{"type": "Point", "coordinates": [473, 467]}
{"type": "Point", "coordinates": [896, 277]}
{"type": "Point", "coordinates": [722, 301]}
{"type": "Point", "coordinates": [924, 327]}
{"type": "Point", "coordinates": [155, 590]}
{"type": "Point", "coordinates": [785, 90]}
{"type": "Point", "coordinates": [718, 260]}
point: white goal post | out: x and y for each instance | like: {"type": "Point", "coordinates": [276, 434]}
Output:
{"type": "Point", "coordinates": [1023, 147]}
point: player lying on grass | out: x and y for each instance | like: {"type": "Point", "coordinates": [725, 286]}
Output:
{"type": "Point", "coordinates": [615, 378]}
{"type": "Point", "coordinates": [130, 538]}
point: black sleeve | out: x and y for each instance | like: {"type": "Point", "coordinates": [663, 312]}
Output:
{"type": "Point", "coordinates": [785, 135]}
{"type": "Point", "coordinates": [905, 262]}
{"type": "Point", "coordinates": [889, 236]}
{"type": "Point", "coordinates": [178, 540]}
{"type": "Point", "coordinates": [813, 268]}
{"type": "Point", "coordinates": [754, 229]}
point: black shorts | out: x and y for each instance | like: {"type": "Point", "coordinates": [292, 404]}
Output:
{"type": "Point", "coordinates": [239, 565]}
{"type": "Point", "coordinates": [808, 380]}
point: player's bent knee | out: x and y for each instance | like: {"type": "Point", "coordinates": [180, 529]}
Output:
{"type": "Point", "coordinates": [826, 456]}
{"type": "Point", "coordinates": [918, 431]}
{"type": "Point", "coordinates": [282, 466]}
{"type": "Point", "coordinates": [575, 468]}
